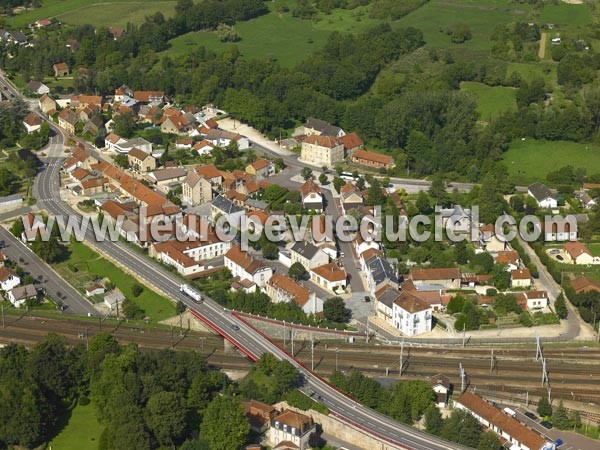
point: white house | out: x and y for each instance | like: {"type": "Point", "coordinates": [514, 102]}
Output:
{"type": "Point", "coordinates": [517, 435]}
{"type": "Point", "coordinates": [532, 300]}
{"type": "Point", "coordinates": [32, 123]}
{"type": "Point", "coordinates": [410, 315]}
{"type": "Point", "coordinates": [557, 229]}
{"type": "Point", "coordinates": [95, 289]}
{"type": "Point", "coordinates": [19, 295]}
{"type": "Point", "coordinates": [244, 266]}
{"type": "Point", "coordinates": [8, 279]}
{"type": "Point", "coordinates": [520, 278]}
{"type": "Point", "coordinates": [578, 253]}
{"type": "Point", "coordinates": [308, 255]}
{"type": "Point", "coordinates": [290, 427]}
{"type": "Point", "coordinates": [281, 288]}
{"type": "Point", "coordinates": [114, 299]}
{"type": "Point", "coordinates": [542, 195]}
{"type": "Point", "coordinates": [312, 197]}
{"type": "Point", "coordinates": [441, 386]}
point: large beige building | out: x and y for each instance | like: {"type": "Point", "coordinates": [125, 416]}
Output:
{"type": "Point", "coordinates": [140, 161]}
{"type": "Point", "coordinates": [322, 151]}
{"type": "Point", "coordinates": [196, 189]}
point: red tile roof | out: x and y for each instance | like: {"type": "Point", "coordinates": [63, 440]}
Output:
{"type": "Point", "coordinates": [434, 274]}
{"type": "Point", "coordinates": [331, 272]}
{"type": "Point", "coordinates": [351, 140]}
{"type": "Point", "coordinates": [372, 156]}
{"type": "Point", "coordinates": [576, 249]}
{"type": "Point", "coordinates": [322, 141]}
{"type": "Point", "coordinates": [244, 260]}
{"type": "Point", "coordinates": [298, 293]}
{"type": "Point", "coordinates": [521, 274]}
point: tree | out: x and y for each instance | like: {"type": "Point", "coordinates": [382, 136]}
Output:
{"type": "Point", "coordinates": [489, 441]}
{"type": "Point", "coordinates": [483, 262]}
{"type": "Point", "coordinates": [560, 306]}
{"type": "Point", "coordinates": [433, 420]}
{"type": "Point", "coordinates": [338, 183]}
{"type": "Point", "coordinates": [298, 272]}
{"type": "Point", "coordinates": [180, 307]}
{"type": "Point", "coordinates": [50, 251]}
{"type": "Point", "coordinates": [8, 181]}
{"type": "Point", "coordinates": [306, 173]}
{"type": "Point", "coordinates": [544, 408]}
{"type": "Point", "coordinates": [461, 252]}
{"type": "Point", "coordinates": [500, 277]}
{"type": "Point", "coordinates": [227, 33]}
{"type": "Point", "coordinates": [322, 179]}
{"type": "Point", "coordinates": [131, 310]}
{"type": "Point", "coordinates": [224, 425]}
{"type": "Point", "coordinates": [460, 33]}
{"type": "Point", "coordinates": [136, 290]}
{"type": "Point", "coordinates": [334, 310]}
{"type": "Point", "coordinates": [560, 417]}
{"type": "Point", "coordinates": [124, 124]}
{"type": "Point", "coordinates": [461, 427]}
{"type": "Point", "coordinates": [422, 203]}
{"type": "Point", "coordinates": [121, 160]}
{"type": "Point", "coordinates": [165, 416]}
{"type": "Point", "coordinates": [270, 250]}
{"type": "Point", "coordinates": [17, 228]}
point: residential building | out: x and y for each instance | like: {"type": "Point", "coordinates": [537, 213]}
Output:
{"type": "Point", "coordinates": [114, 300]}
{"type": "Point", "coordinates": [578, 253]}
{"type": "Point", "coordinates": [379, 273]}
{"type": "Point", "coordinates": [372, 159]}
{"type": "Point", "coordinates": [222, 206]}
{"type": "Point", "coordinates": [584, 284]}
{"type": "Point", "coordinates": [410, 315]}
{"type": "Point", "coordinates": [441, 386]}
{"type": "Point", "coordinates": [320, 128]}
{"type": "Point", "coordinates": [67, 119]}
{"type": "Point", "coordinates": [38, 88]}
{"type": "Point", "coordinates": [47, 104]}
{"type": "Point", "coordinates": [447, 278]}
{"type": "Point", "coordinates": [140, 161]}
{"type": "Point", "coordinates": [587, 201]}
{"type": "Point", "coordinates": [167, 177]}
{"type": "Point", "coordinates": [32, 123]}
{"type": "Point", "coordinates": [312, 197]}
{"type": "Point", "coordinates": [532, 300]}
{"type": "Point", "coordinates": [222, 138]}
{"type": "Point", "coordinates": [281, 288]}
{"type": "Point", "coordinates": [19, 295]}
{"type": "Point", "coordinates": [351, 197]}
{"type": "Point", "coordinates": [516, 435]}
{"type": "Point", "coordinates": [212, 174]}
{"type": "Point", "coordinates": [261, 168]}
{"type": "Point", "coordinates": [289, 427]}
{"type": "Point", "coordinates": [8, 279]}
{"type": "Point", "coordinates": [542, 195]}
{"type": "Point", "coordinates": [203, 147]}
{"type": "Point", "coordinates": [510, 258]}
{"type": "Point", "coordinates": [384, 302]}
{"type": "Point", "coordinates": [61, 70]}
{"type": "Point", "coordinates": [351, 142]}
{"type": "Point", "coordinates": [196, 189]}
{"type": "Point", "coordinates": [308, 255]}
{"type": "Point", "coordinates": [330, 276]}
{"type": "Point", "coordinates": [94, 289]}
{"type": "Point", "coordinates": [153, 98]}
{"type": "Point", "coordinates": [322, 151]}
{"type": "Point", "coordinates": [259, 415]}
{"type": "Point", "coordinates": [244, 266]}
{"type": "Point", "coordinates": [520, 278]}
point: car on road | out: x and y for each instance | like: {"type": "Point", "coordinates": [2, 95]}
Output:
{"type": "Point", "coordinates": [546, 424]}
{"type": "Point", "coordinates": [2, 244]}
{"type": "Point", "coordinates": [235, 326]}
{"type": "Point", "coordinates": [367, 299]}
{"type": "Point", "coordinates": [532, 416]}
{"type": "Point", "coordinates": [558, 442]}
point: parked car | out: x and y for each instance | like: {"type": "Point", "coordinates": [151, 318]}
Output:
{"type": "Point", "coordinates": [546, 424]}
{"type": "Point", "coordinates": [560, 258]}
{"type": "Point", "coordinates": [558, 442]}
{"type": "Point", "coordinates": [532, 416]}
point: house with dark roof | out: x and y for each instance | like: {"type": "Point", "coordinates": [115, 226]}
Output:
{"type": "Point", "coordinates": [19, 295]}
{"type": "Point", "coordinates": [222, 206]}
{"type": "Point", "coordinates": [384, 302]}
{"type": "Point", "coordinates": [308, 255]}
{"type": "Point", "coordinates": [442, 387]}
{"type": "Point", "coordinates": [37, 87]}
{"type": "Point", "coordinates": [516, 435]}
{"type": "Point", "coordinates": [320, 128]}
{"type": "Point", "coordinates": [379, 273]}
{"type": "Point", "coordinates": [140, 161]}
{"type": "Point", "coordinates": [542, 195]}
{"type": "Point", "coordinates": [410, 315]}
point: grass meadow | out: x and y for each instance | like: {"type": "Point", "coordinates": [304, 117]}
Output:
{"type": "Point", "coordinates": [491, 101]}
{"type": "Point", "coordinates": [82, 431]}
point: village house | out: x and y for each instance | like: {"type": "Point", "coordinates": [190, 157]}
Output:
{"type": "Point", "coordinates": [441, 386]}
{"type": "Point", "coordinates": [281, 288]}
{"type": "Point", "coordinates": [312, 197]}
{"type": "Point", "coordinates": [447, 278]}
{"type": "Point", "coordinates": [222, 138]}
{"type": "Point", "coordinates": [587, 201]}
{"type": "Point", "coordinates": [222, 206]}
{"type": "Point", "coordinates": [259, 415]}
{"type": "Point", "coordinates": [38, 88]}
{"type": "Point", "coordinates": [19, 295]}
{"type": "Point", "coordinates": [322, 151]}
{"type": "Point", "coordinates": [578, 253]}
{"type": "Point", "coordinates": [176, 124]}
{"type": "Point", "coordinates": [510, 258]}
{"type": "Point", "coordinates": [140, 161]}
{"type": "Point", "coordinates": [153, 98]}
{"type": "Point", "coordinates": [261, 168]}
{"type": "Point", "coordinates": [8, 279]}
{"type": "Point", "coordinates": [61, 70]}
{"type": "Point", "coordinates": [532, 300]}
{"type": "Point", "coordinates": [584, 284]}
{"type": "Point", "coordinates": [167, 177]}
{"type": "Point", "coordinates": [351, 197]}
{"type": "Point", "coordinates": [114, 300]}
{"type": "Point", "coordinates": [542, 195]}
{"type": "Point", "coordinates": [308, 255]}
{"type": "Point", "coordinates": [212, 174]}
{"type": "Point", "coordinates": [384, 302]}
{"type": "Point", "coordinates": [196, 190]}
{"type": "Point", "coordinates": [520, 278]}
{"type": "Point", "coordinates": [410, 315]}
{"type": "Point", "coordinates": [67, 119]}
{"type": "Point", "coordinates": [319, 128]}
{"type": "Point", "coordinates": [93, 102]}
{"type": "Point", "coordinates": [47, 104]}
{"type": "Point", "coordinates": [517, 435]}
{"type": "Point", "coordinates": [94, 126]}
{"type": "Point", "coordinates": [290, 427]}
{"type": "Point", "coordinates": [94, 289]}
{"type": "Point", "coordinates": [372, 159]}
{"type": "Point", "coordinates": [379, 273]}
{"type": "Point", "coordinates": [203, 147]}
{"type": "Point", "coordinates": [32, 123]}
{"type": "Point", "coordinates": [351, 142]}
{"type": "Point", "coordinates": [330, 277]}
{"type": "Point", "coordinates": [245, 267]}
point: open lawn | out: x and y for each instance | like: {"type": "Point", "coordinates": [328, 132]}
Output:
{"type": "Point", "coordinates": [491, 101]}
{"type": "Point", "coordinates": [82, 431]}
{"type": "Point", "coordinates": [531, 160]}
{"type": "Point", "coordinates": [482, 16]}
{"type": "Point", "coordinates": [110, 13]}
{"type": "Point", "coordinates": [566, 15]}
{"type": "Point", "coordinates": [91, 266]}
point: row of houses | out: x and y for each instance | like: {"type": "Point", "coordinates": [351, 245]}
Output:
{"type": "Point", "coordinates": [10, 285]}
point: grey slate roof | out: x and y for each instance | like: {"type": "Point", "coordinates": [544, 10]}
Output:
{"type": "Point", "coordinates": [388, 297]}
{"type": "Point", "coordinates": [24, 292]}
{"type": "Point", "coordinates": [253, 203]}
{"type": "Point", "coordinates": [225, 205]}
{"type": "Point", "coordinates": [540, 191]}
{"type": "Point", "coordinates": [306, 249]}
{"type": "Point", "coordinates": [381, 270]}
{"type": "Point", "coordinates": [325, 128]}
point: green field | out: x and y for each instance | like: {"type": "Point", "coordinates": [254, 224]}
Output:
{"type": "Point", "coordinates": [82, 431]}
{"type": "Point", "coordinates": [491, 100]}
{"type": "Point", "coordinates": [564, 14]}
{"type": "Point", "coordinates": [110, 13]}
{"type": "Point", "coordinates": [91, 266]}
{"type": "Point", "coordinates": [531, 160]}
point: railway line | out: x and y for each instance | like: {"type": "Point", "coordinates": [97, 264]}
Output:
{"type": "Point", "coordinates": [515, 369]}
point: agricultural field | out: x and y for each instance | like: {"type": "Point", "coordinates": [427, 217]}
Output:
{"type": "Point", "coordinates": [81, 432]}
{"type": "Point", "coordinates": [491, 101]}
{"type": "Point", "coordinates": [531, 160]}
{"type": "Point", "coordinates": [84, 266]}
{"type": "Point", "coordinates": [566, 15]}
{"type": "Point", "coordinates": [110, 13]}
